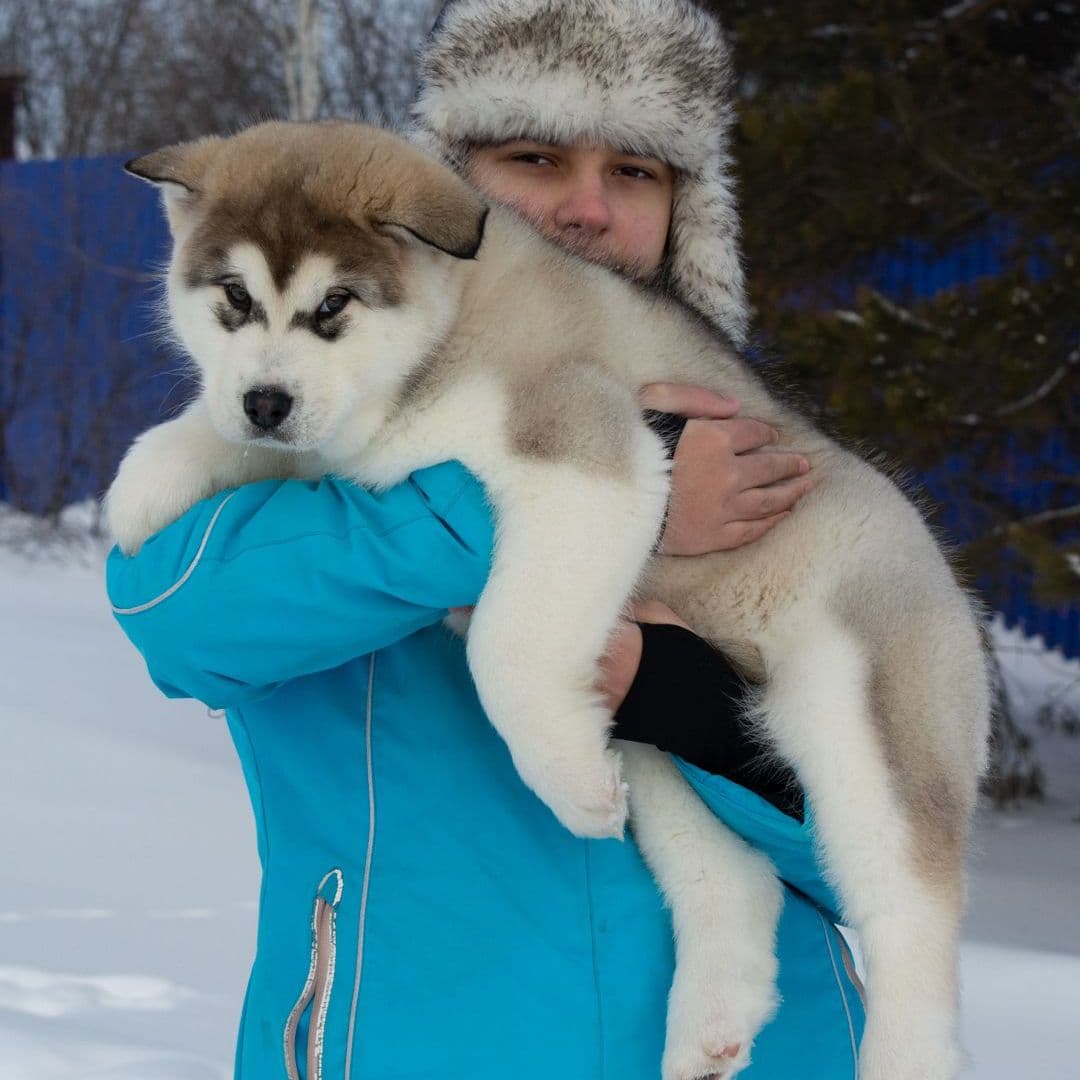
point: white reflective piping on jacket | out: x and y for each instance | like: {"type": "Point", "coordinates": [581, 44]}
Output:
{"type": "Point", "coordinates": [825, 929]}
{"type": "Point", "coordinates": [367, 873]}
{"type": "Point", "coordinates": [186, 574]}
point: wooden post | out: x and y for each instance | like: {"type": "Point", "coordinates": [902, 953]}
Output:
{"type": "Point", "coordinates": [9, 95]}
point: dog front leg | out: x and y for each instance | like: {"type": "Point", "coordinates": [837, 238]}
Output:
{"type": "Point", "coordinates": [725, 902]}
{"type": "Point", "coordinates": [569, 549]}
{"type": "Point", "coordinates": [171, 467]}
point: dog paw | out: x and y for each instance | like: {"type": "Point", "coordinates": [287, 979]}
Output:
{"type": "Point", "coordinates": [716, 1009]}
{"type": "Point", "coordinates": [138, 505]}
{"type": "Point", "coordinates": [599, 807]}
{"type": "Point", "coordinates": [586, 793]}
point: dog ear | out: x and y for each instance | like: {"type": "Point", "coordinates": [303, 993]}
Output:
{"type": "Point", "coordinates": [438, 208]}
{"type": "Point", "coordinates": [178, 171]}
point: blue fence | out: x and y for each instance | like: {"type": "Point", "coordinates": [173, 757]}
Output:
{"type": "Point", "coordinates": [80, 370]}
{"type": "Point", "coordinates": [83, 368]}
{"type": "Point", "coordinates": [916, 271]}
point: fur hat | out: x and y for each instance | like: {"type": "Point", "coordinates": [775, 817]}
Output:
{"type": "Point", "coordinates": [649, 76]}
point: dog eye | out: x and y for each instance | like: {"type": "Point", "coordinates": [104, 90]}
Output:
{"type": "Point", "coordinates": [332, 304]}
{"type": "Point", "coordinates": [238, 296]}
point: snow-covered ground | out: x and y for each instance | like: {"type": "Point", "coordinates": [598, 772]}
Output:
{"type": "Point", "coordinates": [128, 874]}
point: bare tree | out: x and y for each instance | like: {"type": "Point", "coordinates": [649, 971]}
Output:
{"type": "Point", "coordinates": [372, 72]}
{"type": "Point", "coordinates": [303, 56]}
{"type": "Point", "coordinates": [117, 75]}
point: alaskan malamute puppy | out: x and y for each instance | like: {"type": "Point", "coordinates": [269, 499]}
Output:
{"type": "Point", "coordinates": [355, 307]}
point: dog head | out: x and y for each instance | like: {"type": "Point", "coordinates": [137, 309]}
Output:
{"type": "Point", "coordinates": [312, 271]}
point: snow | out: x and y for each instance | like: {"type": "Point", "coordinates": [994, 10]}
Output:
{"type": "Point", "coordinates": [127, 898]}
{"type": "Point", "coordinates": [130, 876]}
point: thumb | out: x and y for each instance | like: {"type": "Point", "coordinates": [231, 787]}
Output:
{"type": "Point", "coordinates": [653, 611]}
{"type": "Point", "coordinates": [693, 401]}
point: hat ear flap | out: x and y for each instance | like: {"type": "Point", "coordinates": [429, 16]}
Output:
{"type": "Point", "coordinates": [178, 171]}
{"type": "Point", "coordinates": [440, 210]}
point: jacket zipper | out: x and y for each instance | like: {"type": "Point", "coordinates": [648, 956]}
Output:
{"type": "Point", "coordinates": [320, 979]}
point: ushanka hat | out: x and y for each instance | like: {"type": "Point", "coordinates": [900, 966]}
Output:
{"type": "Point", "coordinates": [652, 77]}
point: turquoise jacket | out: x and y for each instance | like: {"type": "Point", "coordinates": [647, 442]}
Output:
{"type": "Point", "coordinates": [422, 914]}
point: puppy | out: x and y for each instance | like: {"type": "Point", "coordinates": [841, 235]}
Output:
{"type": "Point", "coordinates": [354, 307]}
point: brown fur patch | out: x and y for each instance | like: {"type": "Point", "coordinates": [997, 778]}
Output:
{"type": "Point", "coordinates": [934, 803]}
{"type": "Point", "coordinates": [331, 188]}
{"type": "Point", "coordinates": [571, 413]}
{"type": "Point", "coordinates": [286, 225]}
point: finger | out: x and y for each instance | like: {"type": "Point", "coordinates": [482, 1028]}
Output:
{"type": "Point", "coordinates": [687, 400]}
{"type": "Point", "coordinates": [763, 467]}
{"type": "Point", "coordinates": [462, 610]}
{"type": "Point", "coordinates": [738, 533]}
{"type": "Point", "coordinates": [765, 502]}
{"type": "Point", "coordinates": [653, 611]}
{"type": "Point", "coordinates": [748, 434]}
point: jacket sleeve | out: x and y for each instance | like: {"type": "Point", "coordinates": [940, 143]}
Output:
{"type": "Point", "coordinates": [788, 842]}
{"type": "Point", "coordinates": [283, 578]}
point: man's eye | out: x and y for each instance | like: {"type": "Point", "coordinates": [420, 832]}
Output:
{"type": "Point", "coordinates": [635, 173]}
{"type": "Point", "coordinates": [238, 296]}
{"type": "Point", "coordinates": [532, 159]}
{"type": "Point", "coordinates": [332, 304]}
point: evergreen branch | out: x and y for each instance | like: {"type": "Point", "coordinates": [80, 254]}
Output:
{"type": "Point", "coordinates": [967, 11]}
{"type": "Point", "coordinates": [909, 318]}
{"type": "Point", "coordinates": [1033, 398]}
{"type": "Point", "coordinates": [1040, 392]}
{"type": "Point", "coordinates": [1043, 517]}
{"type": "Point", "coordinates": [903, 110]}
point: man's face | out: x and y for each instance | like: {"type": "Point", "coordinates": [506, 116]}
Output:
{"type": "Point", "coordinates": [604, 205]}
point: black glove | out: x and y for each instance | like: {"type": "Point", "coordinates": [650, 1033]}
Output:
{"type": "Point", "coordinates": [687, 699]}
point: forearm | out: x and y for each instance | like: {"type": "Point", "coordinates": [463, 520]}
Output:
{"type": "Point", "coordinates": [285, 578]}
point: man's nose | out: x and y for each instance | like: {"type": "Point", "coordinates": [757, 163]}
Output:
{"type": "Point", "coordinates": [584, 206]}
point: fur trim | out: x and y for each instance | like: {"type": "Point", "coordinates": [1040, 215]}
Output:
{"type": "Point", "coordinates": [650, 76]}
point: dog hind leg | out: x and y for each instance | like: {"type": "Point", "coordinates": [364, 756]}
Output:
{"type": "Point", "coordinates": [816, 706]}
{"type": "Point", "coordinates": [725, 902]}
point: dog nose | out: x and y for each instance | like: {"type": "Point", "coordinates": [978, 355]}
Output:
{"type": "Point", "coordinates": [267, 407]}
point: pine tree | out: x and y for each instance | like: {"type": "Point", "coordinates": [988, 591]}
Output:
{"type": "Point", "coordinates": [930, 129]}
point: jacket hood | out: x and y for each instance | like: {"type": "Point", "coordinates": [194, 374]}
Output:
{"type": "Point", "coordinates": [648, 76]}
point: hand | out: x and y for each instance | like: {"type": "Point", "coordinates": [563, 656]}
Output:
{"type": "Point", "coordinates": [619, 665]}
{"type": "Point", "coordinates": [727, 489]}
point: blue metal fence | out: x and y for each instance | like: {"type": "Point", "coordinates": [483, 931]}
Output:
{"type": "Point", "coordinates": [82, 372]}
{"type": "Point", "coordinates": [915, 271]}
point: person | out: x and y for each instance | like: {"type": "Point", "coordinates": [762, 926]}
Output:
{"type": "Point", "coordinates": [422, 913]}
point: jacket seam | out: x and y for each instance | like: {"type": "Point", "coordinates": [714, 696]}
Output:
{"type": "Point", "coordinates": [259, 811]}
{"type": "Point", "coordinates": [600, 1046]}
{"type": "Point", "coordinates": [440, 514]}
{"type": "Point", "coordinates": [263, 827]}
{"type": "Point", "coordinates": [432, 515]}
{"type": "Point", "coordinates": [451, 499]}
